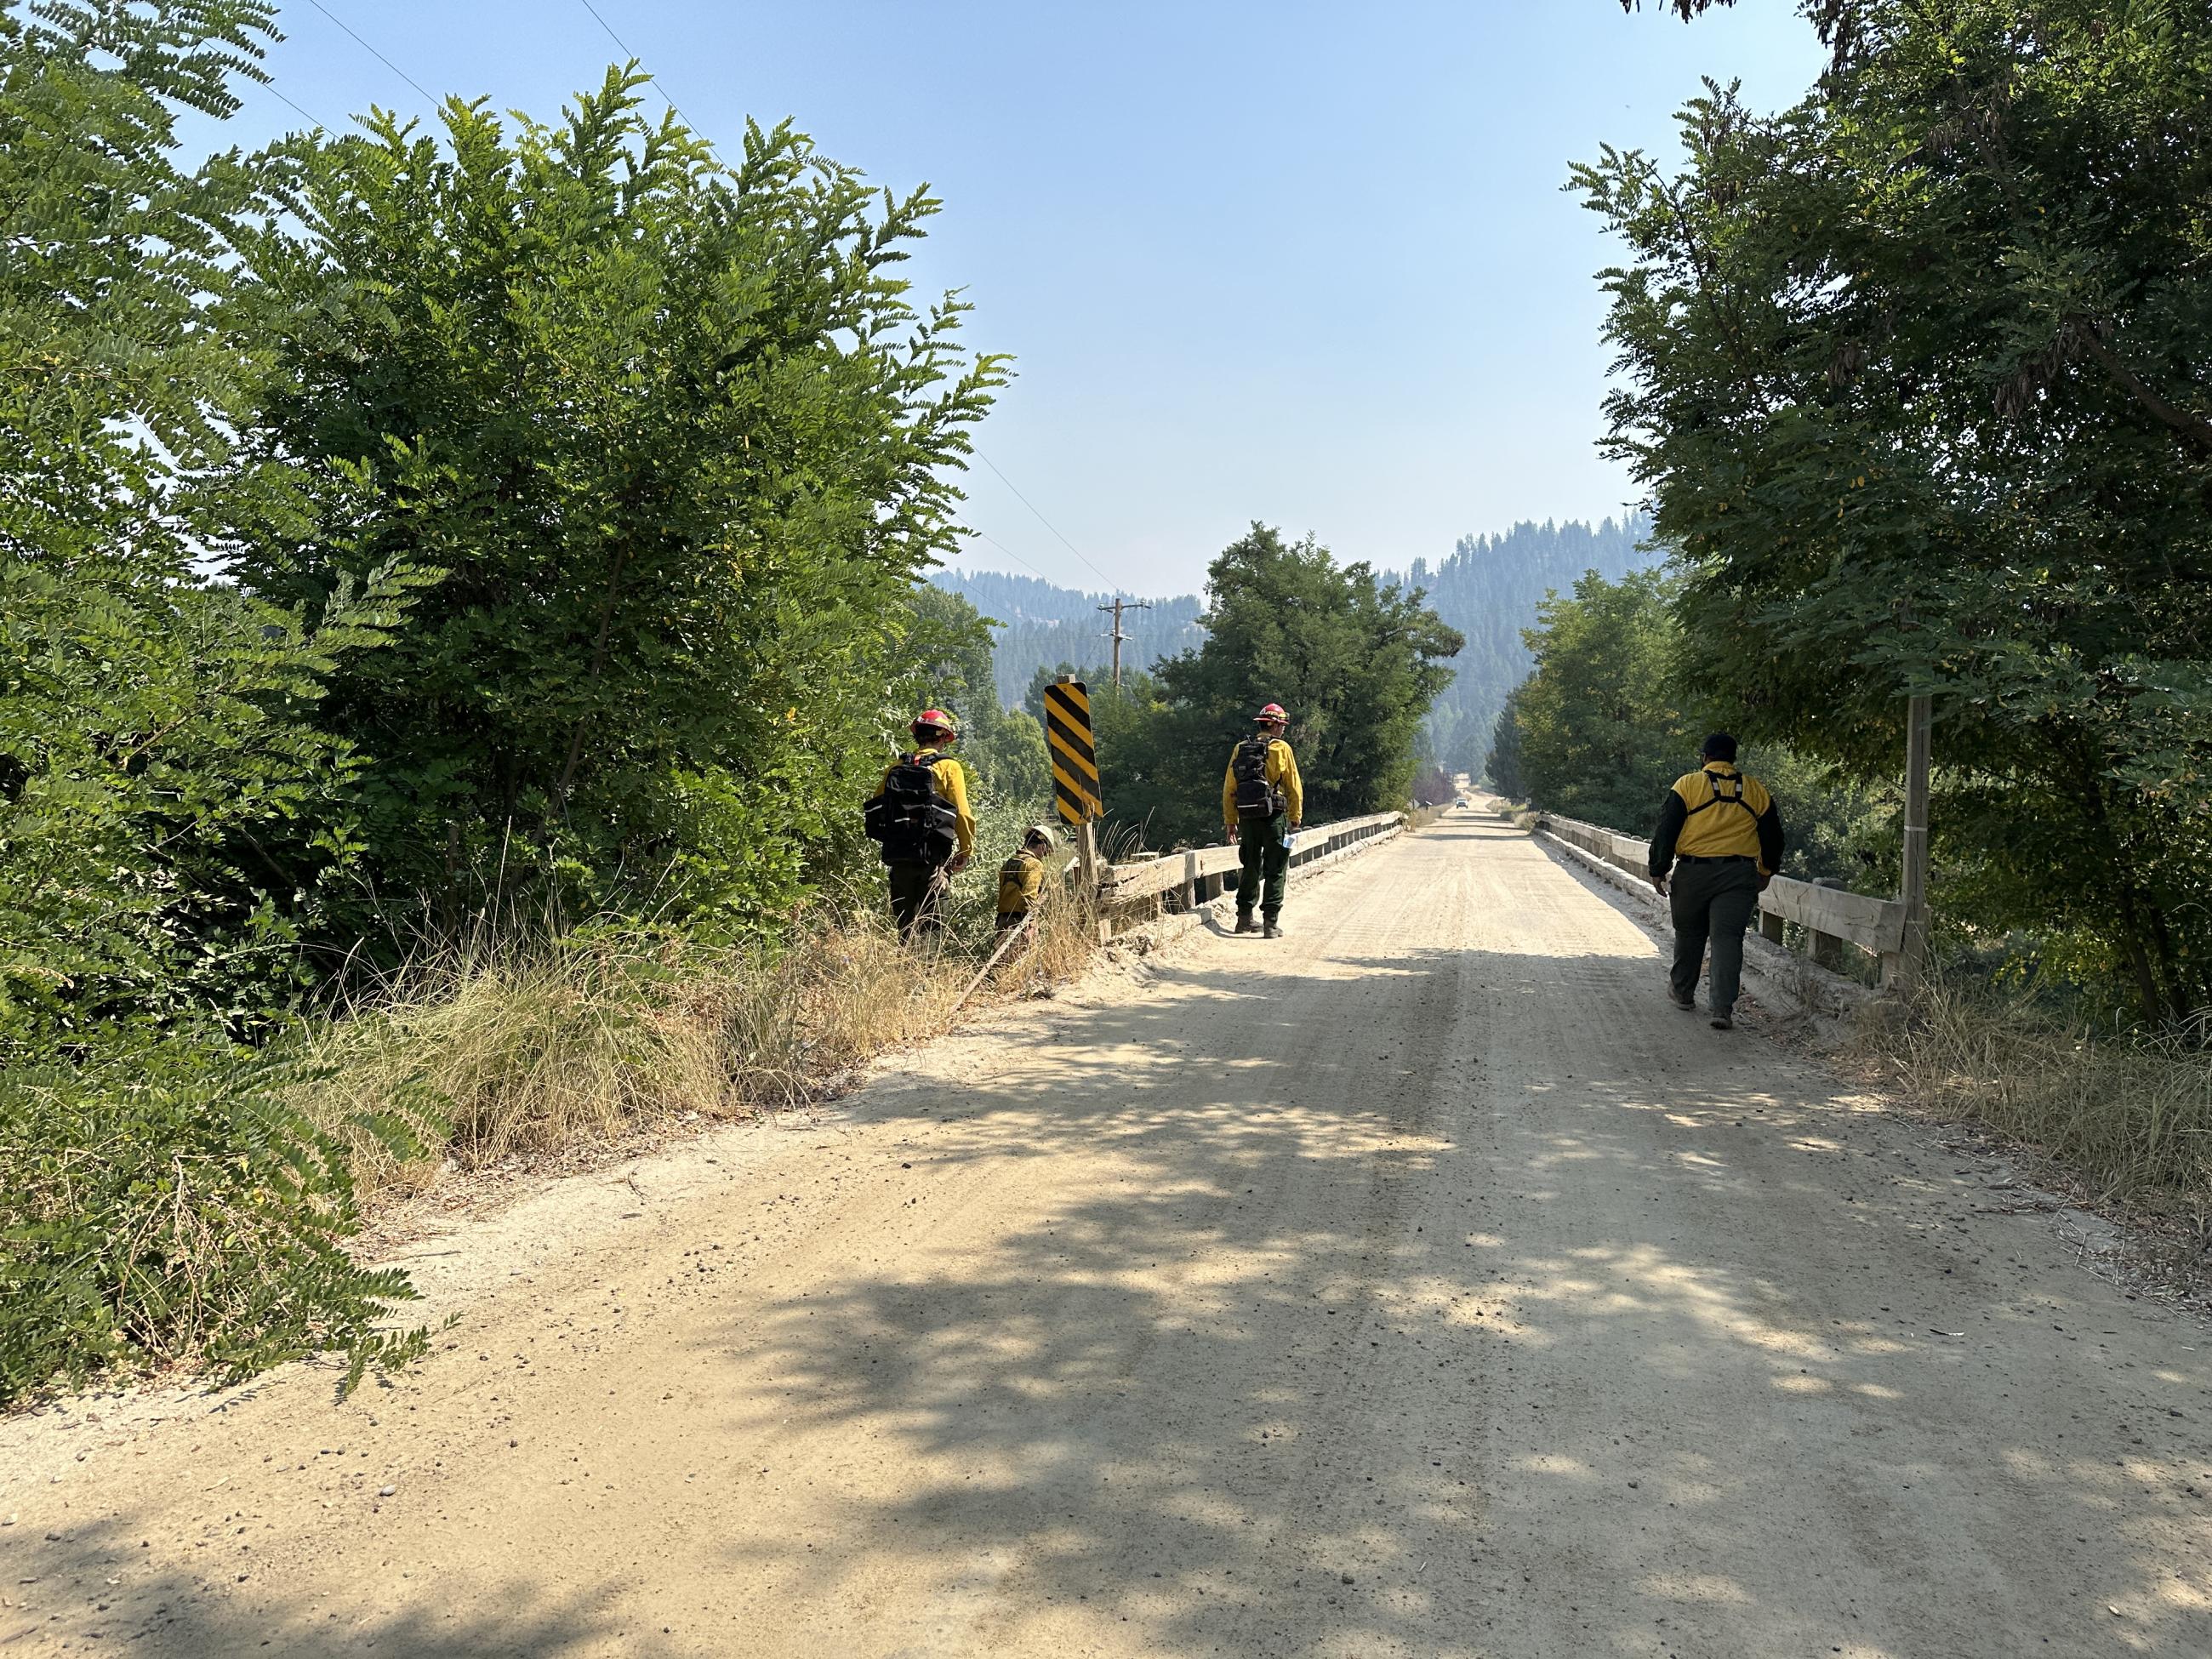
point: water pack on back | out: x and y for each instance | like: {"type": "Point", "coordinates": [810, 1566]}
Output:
{"type": "Point", "coordinates": [1256, 797]}
{"type": "Point", "coordinates": [912, 821]}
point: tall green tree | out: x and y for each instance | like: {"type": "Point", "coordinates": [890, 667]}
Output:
{"type": "Point", "coordinates": [1357, 660]}
{"type": "Point", "coordinates": [168, 842]}
{"type": "Point", "coordinates": [1501, 767]}
{"type": "Point", "coordinates": [1487, 591]}
{"type": "Point", "coordinates": [1917, 374]}
{"type": "Point", "coordinates": [1601, 732]}
{"type": "Point", "coordinates": [164, 840]}
{"type": "Point", "coordinates": [680, 441]}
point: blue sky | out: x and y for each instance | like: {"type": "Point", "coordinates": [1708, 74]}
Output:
{"type": "Point", "coordinates": [1304, 263]}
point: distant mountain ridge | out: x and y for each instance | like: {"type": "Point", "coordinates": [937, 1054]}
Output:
{"type": "Point", "coordinates": [1488, 588]}
{"type": "Point", "coordinates": [1042, 626]}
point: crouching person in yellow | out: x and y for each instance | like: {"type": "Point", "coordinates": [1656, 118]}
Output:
{"type": "Point", "coordinates": [1720, 833]}
{"type": "Point", "coordinates": [1021, 878]}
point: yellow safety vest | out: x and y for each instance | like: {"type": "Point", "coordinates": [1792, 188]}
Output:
{"type": "Point", "coordinates": [1724, 811]}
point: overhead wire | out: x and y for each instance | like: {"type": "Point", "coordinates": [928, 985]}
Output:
{"type": "Point", "coordinates": [1010, 554]}
{"type": "Point", "coordinates": [1046, 522]}
{"type": "Point", "coordinates": [372, 52]}
{"type": "Point", "coordinates": [626, 52]}
{"type": "Point", "coordinates": [295, 108]}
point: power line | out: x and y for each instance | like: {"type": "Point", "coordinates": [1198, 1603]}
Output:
{"type": "Point", "coordinates": [1111, 584]}
{"type": "Point", "coordinates": [372, 52]}
{"type": "Point", "coordinates": [295, 108]}
{"type": "Point", "coordinates": [624, 46]}
{"type": "Point", "coordinates": [1010, 554]}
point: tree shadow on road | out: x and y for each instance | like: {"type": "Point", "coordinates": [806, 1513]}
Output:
{"type": "Point", "coordinates": [1340, 1351]}
{"type": "Point", "coordinates": [80, 1606]}
{"type": "Point", "coordinates": [1380, 1300]}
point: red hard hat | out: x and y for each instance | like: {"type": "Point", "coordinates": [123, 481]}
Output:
{"type": "Point", "coordinates": [934, 719]}
{"type": "Point", "coordinates": [1274, 711]}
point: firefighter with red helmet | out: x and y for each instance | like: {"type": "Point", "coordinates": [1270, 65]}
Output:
{"type": "Point", "coordinates": [919, 817]}
{"type": "Point", "coordinates": [1262, 800]}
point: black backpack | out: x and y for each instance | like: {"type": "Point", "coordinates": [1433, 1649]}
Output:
{"type": "Point", "coordinates": [1256, 797]}
{"type": "Point", "coordinates": [914, 823]}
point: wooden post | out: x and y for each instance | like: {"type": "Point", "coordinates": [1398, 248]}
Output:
{"type": "Point", "coordinates": [1088, 870]}
{"type": "Point", "coordinates": [1828, 948]}
{"type": "Point", "coordinates": [1190, 881]}
{"type": "Point", "coordinates": [1086, 855]}
{"type": "Point", "coordinates": [1919, 734]}
{"type": "Point", "coordinates": [1770, 926]}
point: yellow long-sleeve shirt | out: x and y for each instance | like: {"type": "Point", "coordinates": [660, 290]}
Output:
{"type": "Point", "coordinates": [952, 780]}
{"type": "Point", "coordinates": [1021, 878]}
{"type": "Point", "coordinates": [1281, 769]}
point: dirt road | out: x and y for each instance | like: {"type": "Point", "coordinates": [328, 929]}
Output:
{"type": "Point", "coordinates": [1419, 1284]}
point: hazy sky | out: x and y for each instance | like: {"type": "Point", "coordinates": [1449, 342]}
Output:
{"type": "Point", "coordinates": [1306, 263]}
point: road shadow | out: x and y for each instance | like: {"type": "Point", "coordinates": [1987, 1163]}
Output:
{"type": "Point", "coordinates": [1382, 1300]}
{"type": "Point", "coordinates": [96, 1602]}
{"type": "Point", "coordinates": [1340, 1352]}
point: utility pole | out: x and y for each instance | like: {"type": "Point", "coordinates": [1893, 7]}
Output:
{"type": "Point", "coordinates": [1118, 605]}
{"type": "Point", "coordinates": [1919, 723]}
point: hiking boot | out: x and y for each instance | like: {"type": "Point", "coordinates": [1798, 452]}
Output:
{"type": "Point", "coordinates": [1245, 924]}
{"type": "Point", "coordinates": [1273, 930]}
{"type": "Point", "coordinates": [1688, 1004]}
{"type": "Point", "coordinates": [1723, 1020]}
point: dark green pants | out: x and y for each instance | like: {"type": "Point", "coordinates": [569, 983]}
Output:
{"type": "Point", "coordinates": [915, 892]}
{"type": "Point", "coordinates": [1711, 899]}
{"type": "Point", "coordinates": [1265, 864]}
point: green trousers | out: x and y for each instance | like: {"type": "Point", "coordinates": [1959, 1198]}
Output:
{"type": "Point", "coordinates": [914, 894]}
{"type": "Point", "coordinates": [1265, 867]}
{"type": "Point", "coordinates": [1711, 899]}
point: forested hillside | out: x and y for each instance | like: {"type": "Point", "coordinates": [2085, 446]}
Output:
{"type": "Point", "coordinates": [1488, 591]}
{"type": "Point", "coordinates": [1043, 626]}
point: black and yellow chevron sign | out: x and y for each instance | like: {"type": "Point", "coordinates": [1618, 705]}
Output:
{"type": "Point", "coordinates": [1074, 754]}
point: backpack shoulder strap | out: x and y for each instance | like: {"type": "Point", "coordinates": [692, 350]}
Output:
{"type": "Point", "coordinates": [1717, 797]}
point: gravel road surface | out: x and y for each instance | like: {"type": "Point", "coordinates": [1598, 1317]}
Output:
{"type": "Point", "coordinates": [1419, 1284]}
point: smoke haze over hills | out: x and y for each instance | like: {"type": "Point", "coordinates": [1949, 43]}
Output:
{"type": "Point", "coordinates": [1488, 588]}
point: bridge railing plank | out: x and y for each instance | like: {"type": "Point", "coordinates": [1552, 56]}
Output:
{"type": "Point", "coordinates": [1169, 872]}
{"type": "Point", "coordinates": [1876, 926]}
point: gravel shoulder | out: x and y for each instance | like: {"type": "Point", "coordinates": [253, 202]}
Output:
{"type": "Point", "coordinates": [1421, 1283]}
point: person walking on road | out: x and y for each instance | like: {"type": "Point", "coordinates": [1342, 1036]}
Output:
{"type": "Point", "coordinates": [1262, 800]}
{"type": "Point", "coordinates": [1021, 878]}
{"type": "Point", "coordinates": [1720, 834]}
{"type": "Point", "coordinates": [919, 817]}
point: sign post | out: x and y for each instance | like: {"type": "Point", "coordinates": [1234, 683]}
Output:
{"type": "Point", "coordinates": [1068, 734]}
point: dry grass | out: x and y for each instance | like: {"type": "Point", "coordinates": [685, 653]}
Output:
{"type": "Point", "coordinates": [503, 1052]}
{"type": "Point", "coordinates": [2132, 1117]}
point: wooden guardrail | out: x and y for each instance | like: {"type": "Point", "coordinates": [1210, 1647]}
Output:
{"type": "Point", "coordinates": [1197, 876]}
{"type": "Point", "coordinates": [1831, 916]}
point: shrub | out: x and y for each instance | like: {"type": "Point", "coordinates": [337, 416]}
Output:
{"type": "Point", "coordinates": [2132, 1113]}
{"type": "Point", "coordinates": [170, 1207]}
